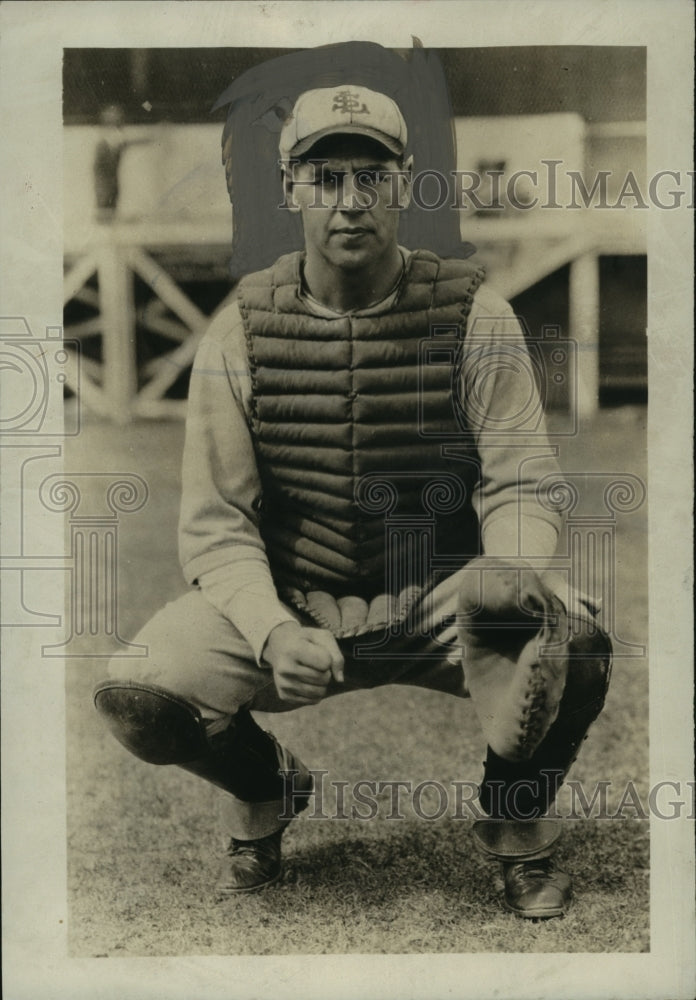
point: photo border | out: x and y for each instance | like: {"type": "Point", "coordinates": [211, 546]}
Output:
{"type": "Point", "coordinates": [33, 697]}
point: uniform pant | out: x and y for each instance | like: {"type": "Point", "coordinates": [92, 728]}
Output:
{"type": "Point", "coordinates": [195, 653]}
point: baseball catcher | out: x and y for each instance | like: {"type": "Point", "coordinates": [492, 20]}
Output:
{"type": "Point", "coordinates": [353, 516]}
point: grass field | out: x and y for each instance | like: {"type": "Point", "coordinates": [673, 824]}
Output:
{"type": "Point", "coordinates": [143, 842]}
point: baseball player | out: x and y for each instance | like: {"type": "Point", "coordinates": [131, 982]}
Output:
{"type": "Point", "coordinates": [354, 515]}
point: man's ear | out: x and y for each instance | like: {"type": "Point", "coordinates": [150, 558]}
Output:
{"type": "Point", "coordinates": [289, 189]}
{"type": "Point", "coordinates": [406, 183]}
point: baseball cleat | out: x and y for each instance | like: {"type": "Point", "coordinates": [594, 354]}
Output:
{"type": "Point", "coordinates": [250, 865]}
{"type": "Point", "coordinates": [536, 889]}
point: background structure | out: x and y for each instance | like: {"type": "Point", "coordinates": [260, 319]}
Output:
{"type": "Point", "coordinates": [582, 270]}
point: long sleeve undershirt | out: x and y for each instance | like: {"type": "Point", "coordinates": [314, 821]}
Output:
{"type": "Point", "coordinates": [219, 541]}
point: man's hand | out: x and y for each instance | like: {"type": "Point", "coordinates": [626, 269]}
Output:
{"type": "Point", "coordinates": [303, 661]}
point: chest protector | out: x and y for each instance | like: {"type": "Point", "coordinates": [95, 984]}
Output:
{"type": "Point", "coordinates": [366, 466]}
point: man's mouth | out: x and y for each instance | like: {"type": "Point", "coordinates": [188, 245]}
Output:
{"type": "Point", "coordinates": [352, 231]}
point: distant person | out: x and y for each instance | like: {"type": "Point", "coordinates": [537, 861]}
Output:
{"type": "Point", "coordinates": [107, 160]}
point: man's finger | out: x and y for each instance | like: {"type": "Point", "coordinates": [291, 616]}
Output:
{"type": "Point", "coordinates": [301, 674]}
{"type": "Point", "coordinates": [303, 692]}
{"type": "Point", "coordinates": [450, 634]}
{"type": "Point", "coordinates": [328, 642]}
{"type": "Point", "coordinates": [313, 655]}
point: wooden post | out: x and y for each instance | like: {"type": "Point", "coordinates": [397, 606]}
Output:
{"type": "Point", "coordinates": [584, 330]}
{"type": "Point", "coordinates": [118, 333]}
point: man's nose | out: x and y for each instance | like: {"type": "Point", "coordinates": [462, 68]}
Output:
{"type": "Point", "coordinates": [352, 196]}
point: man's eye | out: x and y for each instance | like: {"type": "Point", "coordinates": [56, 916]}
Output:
{"type": "Point", "coordinates": [370, 178]}
{"type": "Point", "coordinates": [330, 180]}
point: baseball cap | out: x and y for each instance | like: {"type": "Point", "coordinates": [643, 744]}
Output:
{"type": "Point", "coordinates": [339, 110]}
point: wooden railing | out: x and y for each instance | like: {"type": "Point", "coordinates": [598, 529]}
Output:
{"type": "Point", "coordinates": [520, 252]}
{"type": "Point", "coordinates": [117, 387]}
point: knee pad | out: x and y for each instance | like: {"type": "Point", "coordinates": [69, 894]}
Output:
{"type": "Point", "coordinates": [151, 722]}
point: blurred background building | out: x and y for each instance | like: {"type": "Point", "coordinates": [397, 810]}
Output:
{"type": "Point", "coordinates": [143, 276]}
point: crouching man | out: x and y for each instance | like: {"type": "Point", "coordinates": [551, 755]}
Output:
{"type": "Point", "coordinates": [315, 433]}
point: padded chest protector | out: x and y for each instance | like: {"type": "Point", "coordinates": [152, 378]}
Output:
{"type": "Point", "coordinates": [349, 418]}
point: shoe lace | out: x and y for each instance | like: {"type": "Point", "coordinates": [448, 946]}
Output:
{"type": "Point", "coordinates": [265, 847]}
{"type": "Point", "coordinates": [539, 869]}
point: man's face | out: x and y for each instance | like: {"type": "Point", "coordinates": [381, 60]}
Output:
{"type": "Point", "coordinates": [350, 192]}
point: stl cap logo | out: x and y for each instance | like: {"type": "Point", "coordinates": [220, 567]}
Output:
{"type": "Point", "coordinates": [349, 103]}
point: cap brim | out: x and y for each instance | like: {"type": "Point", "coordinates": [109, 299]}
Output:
{"type": "Point", "coordinates": [304, 145]}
